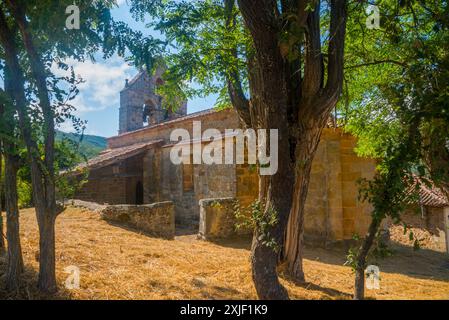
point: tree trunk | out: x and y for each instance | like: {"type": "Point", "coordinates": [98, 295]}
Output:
{"type": "Point", "coordinates": [15, 260]}
{"type": "Point", "coordinates": [307, 101]}
{"type": "Point", "coordinates": [305, 152]}
{"type": "Point", "coordinates": [268, 109]}
{"type": "Point", "coordinates": [359, 285]}
{"type": "Point", "coordinates": [47, 274]}
{"type": "Point", "coordinates": [276, 195]}
{"type": "Point", "coordinates": [2, 235]}
{"type": "Point", "coordinates": [264, 263]}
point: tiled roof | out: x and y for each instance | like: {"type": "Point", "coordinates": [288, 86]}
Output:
{"type": "Point", "coordinates": [430, 196]}
{"type": "Point", "coordinates": [110, 156]}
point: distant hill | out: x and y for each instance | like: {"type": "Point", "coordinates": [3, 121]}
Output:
{"type": "Point", "coordinates": [90, 145]}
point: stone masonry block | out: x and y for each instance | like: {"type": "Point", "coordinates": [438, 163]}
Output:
{"type": "Point", "coordinates": [217, 219]}
{"type": "Point", "coordinates": [157, 219]}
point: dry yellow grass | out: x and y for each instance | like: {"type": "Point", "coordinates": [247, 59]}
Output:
{"type": "Point", "coordinates": [118, 263]}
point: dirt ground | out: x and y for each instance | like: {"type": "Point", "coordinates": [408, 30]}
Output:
{"type": "Point", "coordinates": [116, 262]}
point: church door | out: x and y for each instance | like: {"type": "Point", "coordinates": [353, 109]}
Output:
{"type": "Point", "coordinates": [139, 193]}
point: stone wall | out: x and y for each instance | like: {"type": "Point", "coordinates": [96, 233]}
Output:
{"type": "Point", "coordinates": [428, 225]}
{"type": "Point", "coordinates": [157, 219]}
{"type": "Point", "coordinates": [171, 188]}
{"type": "Point", "coordinates": [333, 211]}
{"type": "Point", "coordinates": [114, 184]}
{"type": "Point", "coordinates": [132, 100]}
{"type": "Point", "coordinates": [165, 181]}
{"type": "Point", "coordinates": [217, 219]}
{"type": "Point", "coordinates": [104, 187]}
{"type": "Point", "coordinates": [247, 188]}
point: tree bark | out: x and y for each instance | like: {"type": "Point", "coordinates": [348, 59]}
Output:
{"type": "Point", "coordinates": [15, 260]}
{"type": "Point", "coordinates": [47, 273]}
{"type": "Point", "coordinates": [2, 235]}
{"type": "Point", "coordinates": [12, 162]}
{"type": "Point", "coordinates": [315, 106]}
{"type": "Point", "coordinates": [269, 109]}
{"type": "Point", "coordinates": [276, 194]}
{"type": "Point", "coordinates": [305, 152]}
{"type": "Point", "coordinates": [264, 263]}
{"type": "Point", "coordinates": [359, 285]}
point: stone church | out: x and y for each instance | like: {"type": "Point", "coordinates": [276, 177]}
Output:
{"type": "Point", "coordinates": [136, 167]}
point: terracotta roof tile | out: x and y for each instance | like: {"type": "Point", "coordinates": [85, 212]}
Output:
{"type": "Point", "coordinates": [430, 196]}
{"type": "Point", "coordinates": [110, 156]}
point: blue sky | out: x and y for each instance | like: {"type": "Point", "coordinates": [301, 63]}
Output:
{"type": "Point", "coordinates": [98, 101]}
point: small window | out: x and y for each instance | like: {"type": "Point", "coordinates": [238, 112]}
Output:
{"type": "Point", "coordinates": [187, 175]}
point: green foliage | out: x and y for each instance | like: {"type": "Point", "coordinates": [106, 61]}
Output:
{"type": "Point", "coordinates": [399, 108]}
{"type": "Point", "coordinates": [203, 49]}
{"type": "Point", "coordinates": [396, 104]}
{"type": "Point", "coordinates": [216, 204]}
{"type": "Point", "coordinates": [98, 31]}
{"type": "Point", "coordinates": [67, 157]}
{"type": "Point", "coordinates": [351, 257]}
{"type": "Point", "coordinates": [392, 71]}
{"type": "Point", "coordinates": [254, 217]}
{"type": "Point", "coordinates": [67, 185]}
{"type": "Point", "coordinates": [379, 250]}
{"type": "Point", "coordinates": [24, 193]}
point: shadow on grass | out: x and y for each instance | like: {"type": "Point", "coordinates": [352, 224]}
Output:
{"type": "Point", "coordinates": [243, 242]}
{"type": "Point", "coordinates": [28, 286]}
{"type": "Point", "coordinates": [337, 294]}
{"type": "Point", "coordinates": [129, 227]}
{"type": "Point", "coordinates": [420, 264]}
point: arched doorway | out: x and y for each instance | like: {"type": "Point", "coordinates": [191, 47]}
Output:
{"type": "Point", "coordinates": [139, 192]}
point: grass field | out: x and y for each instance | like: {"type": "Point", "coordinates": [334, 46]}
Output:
{"type": "Point", "coordinates": [119, 263]}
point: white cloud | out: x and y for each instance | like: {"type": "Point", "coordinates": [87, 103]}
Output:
{"type": "Point", "coordinates": [67, 126]}
{"type": "Point", "coordinates": [103, 82]}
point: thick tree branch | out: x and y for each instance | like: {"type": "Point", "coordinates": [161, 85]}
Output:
{"type": "Point", "coordinates": [260, 18]}
{"type": "Point", "coordinates": [313, 67]}
{"type": "Point", "coordinates": [239, 101]}
{"type": "Point", "coordinates": [235, 90]}
{"type": "Point", "coordinates": [335, 53]}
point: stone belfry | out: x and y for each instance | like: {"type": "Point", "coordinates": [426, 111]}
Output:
{"type": "Point", "coordinates": [139, 105]}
